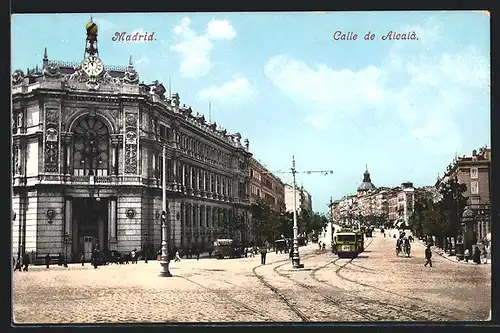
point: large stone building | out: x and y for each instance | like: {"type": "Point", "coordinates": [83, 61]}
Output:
{"type": "Point", "coordinates": [474, 172]}
{"type": "Point", "coordinates": [266, 186]}
{"type": "Point", "coordinates": [87, 162]}
{"type": "Point", "coordinates": [303, 199]}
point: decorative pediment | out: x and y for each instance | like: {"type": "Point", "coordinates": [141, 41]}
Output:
{"type": "Point", "coordinates": [17, 77]}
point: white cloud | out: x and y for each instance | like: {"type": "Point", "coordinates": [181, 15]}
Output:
{"type": "Point", "coordinates": [220, 29]}
{"type": "Point", "coordinates": [195, 49]}
{"type": "Point", "coordinates": [141, 60]}
{"type": "Point", "coordinates": [104, 25]}
{"type": "Point", "coordinates": [429, 89]}
{"type": "Point", "coordinates": [232, 91]}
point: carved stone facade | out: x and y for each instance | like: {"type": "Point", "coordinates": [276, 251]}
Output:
{"type": "Point", "coordinates": [88, 166]}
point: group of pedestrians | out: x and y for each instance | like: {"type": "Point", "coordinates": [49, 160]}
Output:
{"type": "Point", "coordinates": [476, 256]}
{"type": "Point", "coordinates": [21, 264]}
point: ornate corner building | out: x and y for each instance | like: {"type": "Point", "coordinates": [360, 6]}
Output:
{"type": "Point", "coordinates": [87, 162]}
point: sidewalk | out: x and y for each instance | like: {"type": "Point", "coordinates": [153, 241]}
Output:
{"type": "Point", "coordinates": [445, 255]}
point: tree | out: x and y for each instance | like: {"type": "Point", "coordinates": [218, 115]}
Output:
{"type": "Point", "coordinates": [423, 202]}
{"type": "Point", "coordinates": [267, 224]}
{"type": "Point", "coordinates": [318, 222]}
{"type": "Point", "coordinates": [451, 205]}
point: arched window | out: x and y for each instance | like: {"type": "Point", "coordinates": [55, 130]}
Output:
{"type": "Point", "coordinates": [90, 147]}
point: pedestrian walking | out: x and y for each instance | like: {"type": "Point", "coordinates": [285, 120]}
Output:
{"type": "Point", "coordinates": [95, 258]}
{"type": "Point", "coordinates": [18, 265]}
{"type": "Point", "coordinates": [319, 245]}
{"type": "Point", "coordinates": [485, 255]}
{"type": "Point", "coordinates": [466, 255]}
{"type": "Point", "coordinates": [13, 262]}
{"type": "Point", "coordinates": [263, 253]}
{"type": "Point", "coordinates": [26, 262]}
{"type": "Point", "coordinates": [177, 257]}
{"type": "Point", "coordinates": [82, 259]}
{"type": "Point", "coordinates": [47, 260]}
{"type": "Point", "coordinates": [133, 256]}
{"type": "Point", "coordinates": [197, 254]}
{"type": "Point", "coordinates": [477, 255]}
{"type": "Point", "coordinates": [428, 256]}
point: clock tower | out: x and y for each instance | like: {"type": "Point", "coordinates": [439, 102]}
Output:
{"type": "Point", "coordinates": [92, 66]}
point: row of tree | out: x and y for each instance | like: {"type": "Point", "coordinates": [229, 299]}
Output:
{"type": "Point", "coordinates": [440, 218]}
{"type": "Point", "coordinates": [269, 224]}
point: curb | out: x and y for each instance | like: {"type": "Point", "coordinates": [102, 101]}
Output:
{"type": "Point", "coordinates": [452, 258]}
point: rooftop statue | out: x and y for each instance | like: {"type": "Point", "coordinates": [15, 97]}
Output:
{"type": "Point", "coordinates": [17, 77]}
{"type": "Point", "coordinates": [52, 70]}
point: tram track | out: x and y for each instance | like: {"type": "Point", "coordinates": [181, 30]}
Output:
{"type": "Point", "coordinates": [340, 303]}
{"type": "Point", "coordinates": [223, 296]}
{"type": "Point", "coordinates": [277, 291]}
{"type": "Point", "coordinates": [425, 314]}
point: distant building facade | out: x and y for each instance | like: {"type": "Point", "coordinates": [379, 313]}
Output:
{"type": "Point", "coordinates": [266, 186]}
{"type": "Point", "coordinates": [303, 199]}
{"type": "Point", "coordinates": [87, 163]}
{"type": "Point", "coordinates": [395, 205]}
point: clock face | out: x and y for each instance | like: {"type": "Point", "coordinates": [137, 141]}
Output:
{"type": "Point", "coordinates": [92, 66]}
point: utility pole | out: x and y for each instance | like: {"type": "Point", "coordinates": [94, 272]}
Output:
{"type": "Point", "coordinates": [295, 254]}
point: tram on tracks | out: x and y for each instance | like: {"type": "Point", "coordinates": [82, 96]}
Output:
{"type": "Point", "coordinates": [348, 244]}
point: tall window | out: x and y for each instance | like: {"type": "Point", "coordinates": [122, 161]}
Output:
{"type": "Point", "coordinates": [90, 147]}
{"type": "Point", "coordinates": [474, 187]}
{"type": "Point", "coordinates": [474, 173]}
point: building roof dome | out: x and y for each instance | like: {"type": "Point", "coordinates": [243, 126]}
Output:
{"type": "Point", "coordinates": [367, 184]}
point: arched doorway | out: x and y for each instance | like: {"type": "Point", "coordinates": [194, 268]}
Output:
{"type": "Point", "coordinates": [91, 143]}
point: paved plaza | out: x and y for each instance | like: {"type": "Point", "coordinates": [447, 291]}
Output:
{"type": "Point", "coordinates": [376, 286]}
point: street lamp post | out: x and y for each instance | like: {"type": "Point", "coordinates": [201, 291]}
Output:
{"type": "Point", "coordinates": [164, 260]}
{"type": "Point", "coordinates": [66, 236]}
{"type": "Point", "coordinates": [146, 247]}
{"type": "Point", "coordinates": [295, 255]}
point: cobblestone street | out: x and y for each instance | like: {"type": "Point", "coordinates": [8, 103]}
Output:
{"type": "Point", "coordinates": [377, 285]}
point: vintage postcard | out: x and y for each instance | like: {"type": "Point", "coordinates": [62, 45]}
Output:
{"type": "Point", "coordinates": [251, 167]}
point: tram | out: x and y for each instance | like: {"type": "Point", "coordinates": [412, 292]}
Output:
{"type": "Point", "coordinates": [346, 244]}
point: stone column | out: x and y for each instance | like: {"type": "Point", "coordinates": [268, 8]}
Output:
{"type": "Point", "coordinates": [204, 185]}
{"type": "Point", "coordinates": [68, 219]}
{"type": "Point", "coordinates": [64, 159]}
{"type": "Point", "coordinates": [197, 185]}
{"type": "Point", "coordinates": [112, 225]}
{"type": "Point", "coordinates": [69, 159]}
{"type": "Point", "coordinates": [183, 180]}
{"type": "Point", "coordinates": [191, 185]}
{"type": "Point", "coordinates": [183, 224]}
{"type": "Point", "coordinates": [216, 190]}
{"type": "Point", "coordinates": [174, 171]}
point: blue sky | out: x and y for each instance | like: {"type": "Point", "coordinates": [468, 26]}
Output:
{"type": "Point", "coordinates": [404, 108]}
